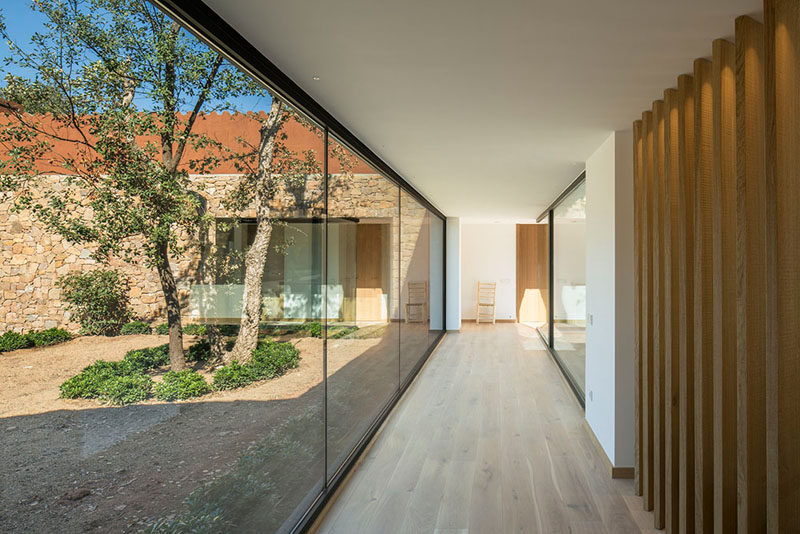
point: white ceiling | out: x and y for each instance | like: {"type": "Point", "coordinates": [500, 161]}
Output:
{"type": "Point", "coordinates": [489, 108]}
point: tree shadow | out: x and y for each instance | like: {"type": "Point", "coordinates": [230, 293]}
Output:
{"type": "Point", "coordinates": [212, 466]}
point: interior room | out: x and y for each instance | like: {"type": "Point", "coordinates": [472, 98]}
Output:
{"type": "Point", "coordinates": [368, 267]}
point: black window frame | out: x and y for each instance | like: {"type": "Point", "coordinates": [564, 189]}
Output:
{"type": "Point", "coordinates": [200, 20]}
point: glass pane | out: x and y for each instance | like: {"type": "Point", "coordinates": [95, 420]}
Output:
{"type": "Point", "coordinates": [543, 271]}
{"type": "Point", "coordinates": [363, 298]}
{"type": "Point", "coordinates": [437, 278]}
{"type": "Point", "coordinates": [166, 243]}
{"type": "Point", "coordinates": [415, 282]}
{"type": "Point", "coordinates": [569, 273]}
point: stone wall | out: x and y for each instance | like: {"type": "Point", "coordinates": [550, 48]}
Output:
{"type": "Point", "coordinates": [33, 259]}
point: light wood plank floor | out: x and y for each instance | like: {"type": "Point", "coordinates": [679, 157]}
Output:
{"type": "Point", "coordinates": [490, 439]}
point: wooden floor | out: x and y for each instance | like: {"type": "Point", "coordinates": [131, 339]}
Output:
{"type": "Point", "coordinates": [490, 439]}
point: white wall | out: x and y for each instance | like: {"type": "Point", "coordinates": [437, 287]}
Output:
{"type": "Point", "coordinates": [569, 267]}
{"type": "Point", "coordinates": [609, 297]}
{"type": "Point", "coordinates": [453, 267]}
{"type": "Point", "coordinates": [489, 254]}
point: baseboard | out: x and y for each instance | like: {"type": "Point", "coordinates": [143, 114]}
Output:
{"type": "Point", "coordinates": [615, 472]}
{"type": "Point", "coordinates": [453, 331]}
{"type": "Point", "coordinates": [487, 322]}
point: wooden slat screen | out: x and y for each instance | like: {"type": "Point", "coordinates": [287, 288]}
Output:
{"type": "Point", "coordinates": [717, 299]}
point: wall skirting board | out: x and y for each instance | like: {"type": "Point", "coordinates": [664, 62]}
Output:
{"type": "Point", "coordinates": [613, 471]}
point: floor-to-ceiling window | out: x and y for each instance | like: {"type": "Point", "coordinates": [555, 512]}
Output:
{"type": "Point", "coordinates": [208, 300]}
{"type": "Point", "coordinates": [565, 331]}
{"type": "Point", "coordinates": [569, 282]}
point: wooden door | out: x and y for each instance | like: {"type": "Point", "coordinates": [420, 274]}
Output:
{"type": "Point", "coordinates": [532, 271]}
{"type": "Point", "coordinates": [371, 280]}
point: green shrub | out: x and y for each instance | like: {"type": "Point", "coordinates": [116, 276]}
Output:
{"type": "Point", "coordinates": [341, 332]}
{"type": "Point", "coordinates": [98, 299]}
{"type": "Point", "coordinates": [149, 358]}
{"type": "Point", "coordinates": [232, 376]}
{"type": "Point", "coordinates": [127, 389]}
{"type": "Point", "coordinates": [88, 383]}
{"type": "Point", "coordinates": [199, 352]}
{"type": "Point", "coordinates": [314, 329]}
{"type": "Point", "coordinates": [51, 336]}
{"type": "Point", "coordinates": [179, 385]}
{"type": "Point", "coordinates": [114, 382]}
{"type": "Point", "coordinates": [195, 329]}
{"type": "Point", "coordinates": [162, 329]}
{"type": "Point", "coordinates": [273, 359]}
{"type": "Point", "coordinates": [136, 327]}
{"type": "Point", "coordinates": [14, 340]}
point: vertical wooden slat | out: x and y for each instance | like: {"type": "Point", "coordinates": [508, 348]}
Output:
{"type": "Point", "coordinates": [782, 92]}
{"type": "Point", "coordinates": [723, 208]}
{"type": "Point", "coordinates": [672, 308]}
{"type": "Point", "coordinates": [703, 297]}
{"type": "Point", "coordinates": [751, 325]}
{"type": "Point", "coordinates": [637, 233]}
{"type": "Point", "coordinates": [658, 314]}
{"type": "Point", "coordinates": [647, 316]}
{"type": "Point", "coordinates": [686, 146]}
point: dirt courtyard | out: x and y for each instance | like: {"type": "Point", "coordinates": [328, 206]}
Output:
{"type": "Point", "coordinates": [77, 465]}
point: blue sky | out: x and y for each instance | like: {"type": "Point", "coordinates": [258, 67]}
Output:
{"type": "Point", "coordinates": [21, 22]}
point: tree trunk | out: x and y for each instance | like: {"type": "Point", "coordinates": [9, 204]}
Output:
{"type": "Point", "coordinates": [177, 360]}
{"type": "Point", "coordinates": [255, 260]}
{"type": "Point", "coordinates": [256, 257]}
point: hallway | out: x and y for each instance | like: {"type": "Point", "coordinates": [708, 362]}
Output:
{"type": "Point", "coordinates": [488, 439]}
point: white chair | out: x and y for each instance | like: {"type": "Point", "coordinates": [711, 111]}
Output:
{"type": "Point", "coordinates": [487, 293]}
{"type": "Point", "coordinates": [417, 302]}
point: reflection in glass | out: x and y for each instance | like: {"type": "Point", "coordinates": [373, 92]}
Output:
{"type": "Point", "coordinates": [569, 282]}
{"type": "Point", "coordinates": [415, 282]}
{"type": "Point", "coordinates": [543, 272]}
{"type": "Point", "coordinates": [436, 290]}
{"type": "Point", "coordinates": [363, 298]}
{"type": "Point", "coordinates": [221, 218]}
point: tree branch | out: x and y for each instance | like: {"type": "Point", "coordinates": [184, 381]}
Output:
{"type": "Point", "coordinates": [201, 98]}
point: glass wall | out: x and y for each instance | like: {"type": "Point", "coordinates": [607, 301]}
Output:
{"type": "Point", "coordinates": [569, 283]}
{"type": "Point", "coordinates": [543, 270]}
{"type": "Point", "coordinates": [363, 288]}
{"type": "Point", "coordinates": [198, 324]}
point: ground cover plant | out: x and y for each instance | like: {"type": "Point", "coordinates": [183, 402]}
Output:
{"type": "Point", "coordinates": [38, 338]}
{"type": "Point", "coordinates": [181, 385]}
{"type": "Point", "coordinates": [129, 381]}
{"type": "Point", "coordinates": [136, 327]}
{"type": "Point", "coordinates": [269, 360]}
{"type": "Point", "coordinates": [113, 382]}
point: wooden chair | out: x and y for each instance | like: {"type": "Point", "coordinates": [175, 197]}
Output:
{"type": "Point", "coordinates": [417, 302]}
{"type": "Point", "coordinates": [487, 293]}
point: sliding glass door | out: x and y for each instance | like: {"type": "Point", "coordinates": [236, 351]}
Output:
{"type": "Point", "coordinates": [565, 330]}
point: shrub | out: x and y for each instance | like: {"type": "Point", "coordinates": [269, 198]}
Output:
{"type": "Point", "coordinates": [127, 389]}
{"type": "Point", "coordinates": [273, 359]}
{"type": "Point", "coordinates": [162, 329]}
{"type": "Point", "coordinates": [195, 329]}
{"type": "Point", "coordinates": [114, 382]}
{"type": "Point", "coordinates": [136, 327]}
{"type": "Point", "coordinates": [88, 383]}
{"type": "Point", "coordinates": [98, 299]}
{"type": "Point", "coordinates": [232, 376]}
{"type": "Point", "coordinates": [342, 332]}
{"type": "Point", "coordinates": [179, 385]}
{"type": "Point", "coordinates": [314, 329]}
{"type": "Point", "coordinates": [149, 358]}
{"type": "Point", "coordinates": [14, 340]}
{"type": "Point", "coordinates": [51, 336]}
{"type": "Point", "coordinates": [199, 352]}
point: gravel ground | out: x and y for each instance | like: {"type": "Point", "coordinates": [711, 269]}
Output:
{"type": "Point", "coordinates": [79, 466]}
